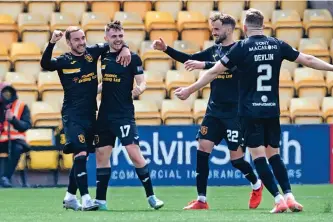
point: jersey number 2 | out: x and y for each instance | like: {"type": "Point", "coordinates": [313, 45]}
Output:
{"type": "Point", "coordinates": [125, 130]}
{"type": "Point", "coordinates": [268, 76]}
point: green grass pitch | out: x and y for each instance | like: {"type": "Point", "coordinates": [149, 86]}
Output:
{"type": "Point", "coordinates": [129, 204]}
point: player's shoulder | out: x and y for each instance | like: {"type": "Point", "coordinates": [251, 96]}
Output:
{"type": "Point", "coordinates": [135, 56]}
{"type": "Point", "coordinates": [96, 46]}
{"type": "Point", "coordinates": [64, 57]}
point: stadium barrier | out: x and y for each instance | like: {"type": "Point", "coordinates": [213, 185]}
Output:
{"type": "Point", "coordinates": [307, 150]}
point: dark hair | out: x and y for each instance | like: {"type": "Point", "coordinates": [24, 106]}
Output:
{"type": "Point", "coordinates": [116, 25]}
{"type": "Point", "coordinates": [70, 30]}
{"type": "Point", "coordinates": [254, 18]}
{"type": "Point", "coordinates": [224, 18]}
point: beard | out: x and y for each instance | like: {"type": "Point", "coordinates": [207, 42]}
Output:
{"type": "Point", "coordinates": [76, 50]}
{"type": "Point", "coordinates": [220, 39]}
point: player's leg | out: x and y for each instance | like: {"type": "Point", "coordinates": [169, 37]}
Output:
{"type": "Point", "coordinates": [208, 136]}
{"type": "Point", "coordinates": [126, 131]}
{"type": "Point", "coordinates": [104, 142]}
{"type": "Point", "coordinates": [278, 167]}
{"type": "Point", "coordinates": [254, 138]}
{"type": "Point", "coordinates": [76, 143]}
{"type": "Point", "coordinates": [233, 138]}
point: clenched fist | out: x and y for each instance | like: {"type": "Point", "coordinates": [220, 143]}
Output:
{"type": "Point", "coordinates": [56, 36]}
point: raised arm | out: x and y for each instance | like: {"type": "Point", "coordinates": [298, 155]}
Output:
{"type": "Point", "coordinates": [47, 62]}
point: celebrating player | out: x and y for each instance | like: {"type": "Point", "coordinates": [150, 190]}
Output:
{"type": "Point", "coordinates": [116, 116]}
{"type": "Point", "coordinates": [259, 58]}
{"type": "Point", "coordinates": [77, 71]}
{"type": "Point", "coordinates": [220, 121]}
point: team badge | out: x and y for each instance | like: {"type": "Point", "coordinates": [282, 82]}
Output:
{"type": "Point", "coordinates": [75, 79]}
{"type": "Point", "coordinates": [82, 139]}
{"type": "Point", "coordinates": [204, 130]}
{"type": "Point", "coordinates": [62, 139]}
{"type": "Point", "coordinates": [88, 57]}
{"type": "Point", "coordinates": [96, 140]}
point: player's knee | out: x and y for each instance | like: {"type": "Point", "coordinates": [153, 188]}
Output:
{"type": "Point", "coordinates": [237, 154]}
{"type": "Point", "coordinates": [135, 155]}
{"type": "Point", "coordinates": [79, 154]}
{"type": "Point", "coordinates": [103, 154]}
{"type": "Point", "coordinates": [258, 152]}
{"type": "Point", "coordinates": [271, 151]}
{"type": "Point", "coordinates": [206, 146]}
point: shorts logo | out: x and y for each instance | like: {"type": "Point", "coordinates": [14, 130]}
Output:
{"type": "Point", "coordinates": [88, 57]}
{"type": "Point", "coordinates": [96, 139]}
{"type": "Point", "coordinates": [62, 139]}
{"type": "Point", "coordinates": [204, 130]}
{"type": "Point", "coordinates": [82, 139]}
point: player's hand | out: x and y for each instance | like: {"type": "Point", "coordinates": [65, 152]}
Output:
{"type": "Point", "coordinates": [56, 36]}
{"type": "Point", "coordinates": [124, 58]}
{"type": "Point", "coordinates": [159, 45]}
{"type": "Point", "coordinates": [9, 115]}
{"type": "Point", "coordinates": [182, 93]}
{"type": "Point", "coordinates": [191, 65]}
{"type": "Point", "coordinates": [138, 90]}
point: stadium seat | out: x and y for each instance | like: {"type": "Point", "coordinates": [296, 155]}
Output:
{"type": "Point", "coordinates": [204, 7]}
{"type": "Point", "coordinates": [46, 8]}
{"type": "Point", "coordinates": [329, 82]}
{"type": "Point", "coordinates": [154, 60]}
{"type": "Point", "coordinates": [290, 66]}
{"type": "Point", "coordinates": [50, 89]}
{"type": "Point", "coordinates": [43, 114]}
{"type": "Point", "coordinates": [231, 7]}
{"type": "Point", "coordinates": [39, 137]}
{"type": "Point", "coordinates": [66, 162]}
{"type": "Point", "coordinates": [8, 29]}
{"type": "Point", "coordinates": [43, 160]}
{"type": "Point", "coordinates": [34, 28]}
{"type": "Point", "coordinates": [26, 58]}
{"type": "Point", "coordinates": [59, 48]}
{"type": "Point", "coordinates": [137, 6]}
{"type": "Point", "coordinates": [192, 24]}
{"type": "Point", "coordinates": [4, 61]}
{"type": "Point", "coordinates": [305, 111]}
{"type": "Point", "coordinates": [288, 26]}
{"type": "Point", "coordinates": [318, 23]}
{"type": "Point", "coordinates": [186, 47]}
{"type": "Point", "coordinates": [134, 28]}
{"type": "Point", "coordinates": [22, 164]}
{"type": "Point", "coordinates": [316, 47]}
{"type": "Point", "coordinates": [61, 21]}
{"type": "Point", "coordinates": [161, 24]}
{"type": "Point", "coordinates": [310, 83]}
{"type": "Point", "coordinates": [265, 6]}
{"type": "Point", "coordinates": [108, 7]}
{"type": "Point", "coordinates": [94, 26]}
{"type": "Point", "coordinates": [146, 113]}
{"type": "Point", "coordinates": [175, 112]}
{"type": "Point", "coordinates": [327, 108]}
{"type": "Point", "coordinates": [25, 85]}
{"type": "Point", "coordinates": [284, 110]}
{"type": "Point", "coordinates": [199, 110]}
{"type": "Point", "coordinates": [286, 88]}
{"type": "Point", "coordinates": [205, 91]}
{"type": "Point", "coordinates": [67, 6]}
{"type": "Point", "coordinates": [156, 90]}
{"type": "Point", "coordinates": [299, 6]}
{"type": "Point", "coordinates": [175, 79]}
{"type": "Point", "coordinates": [12, 8]}
{"type": "Point", "coordinates": [171, 6]}
{"type": "Point", "coordinates": [268, 30]}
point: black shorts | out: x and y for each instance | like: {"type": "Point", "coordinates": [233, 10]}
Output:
{"type": "Point", "coordinates": [79, 134]}
{"type": "Point", "coordinates": [109, 130]}
{"type": "Point", "coordinates": [216, 129]}
{"type": "Point", "coordinates": [261, 131]}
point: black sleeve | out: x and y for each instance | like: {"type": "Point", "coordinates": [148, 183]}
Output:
{"type": "Point", "coordinates": [98, 49]}
{"type": "Point", "coordinates": [24, 123]}
{"type": "Point", "coordinates": [47, 62]}
{"type": "Point", "coordinates": [289, 53]}
{"type": "Point", "coordinates": [209, 65]}
{"type": "Point", "coordinates": [183, 57]}
{"type": "Point", "coordinates": [234, 57]}
{"type": "Point", "coordinates": [137, 64]}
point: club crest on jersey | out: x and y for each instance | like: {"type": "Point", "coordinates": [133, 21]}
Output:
{"type": "Point", "coordinates": [82, 139]}
{"type": "Point", "coordinates": [203, 130]}
{"type": "Point", "coordinates": [88, 57]}
{"type": "Point", "coordinates": [96, 140]}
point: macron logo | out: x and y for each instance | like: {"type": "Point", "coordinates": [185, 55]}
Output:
{"type": "Point", "coordinates": [81, 174]}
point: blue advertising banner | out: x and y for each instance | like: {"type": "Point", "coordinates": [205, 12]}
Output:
{"type": "Point", "coordinates": [171, 154]}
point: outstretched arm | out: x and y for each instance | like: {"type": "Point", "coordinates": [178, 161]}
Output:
{"type": "Point", "coordinates": [207, 77]}
{"type": "Point", "coordinates": [313, 62]}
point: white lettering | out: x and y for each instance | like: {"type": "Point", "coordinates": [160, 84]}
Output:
{"type": "Point", "coordinates": [225, 160]}
{"type": "Point", "coordinates": [287, 144]}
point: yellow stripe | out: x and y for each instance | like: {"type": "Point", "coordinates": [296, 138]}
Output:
{"type": "Point", "coordinates": [103, 66]}
{"type": "Point", "coordinates": [71, 71]}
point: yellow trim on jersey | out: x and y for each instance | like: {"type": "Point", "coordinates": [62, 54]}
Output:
{"type": "Point", "coordinates": [103, 66]}
{"type": "Point", "coordinates": [71, 71]}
